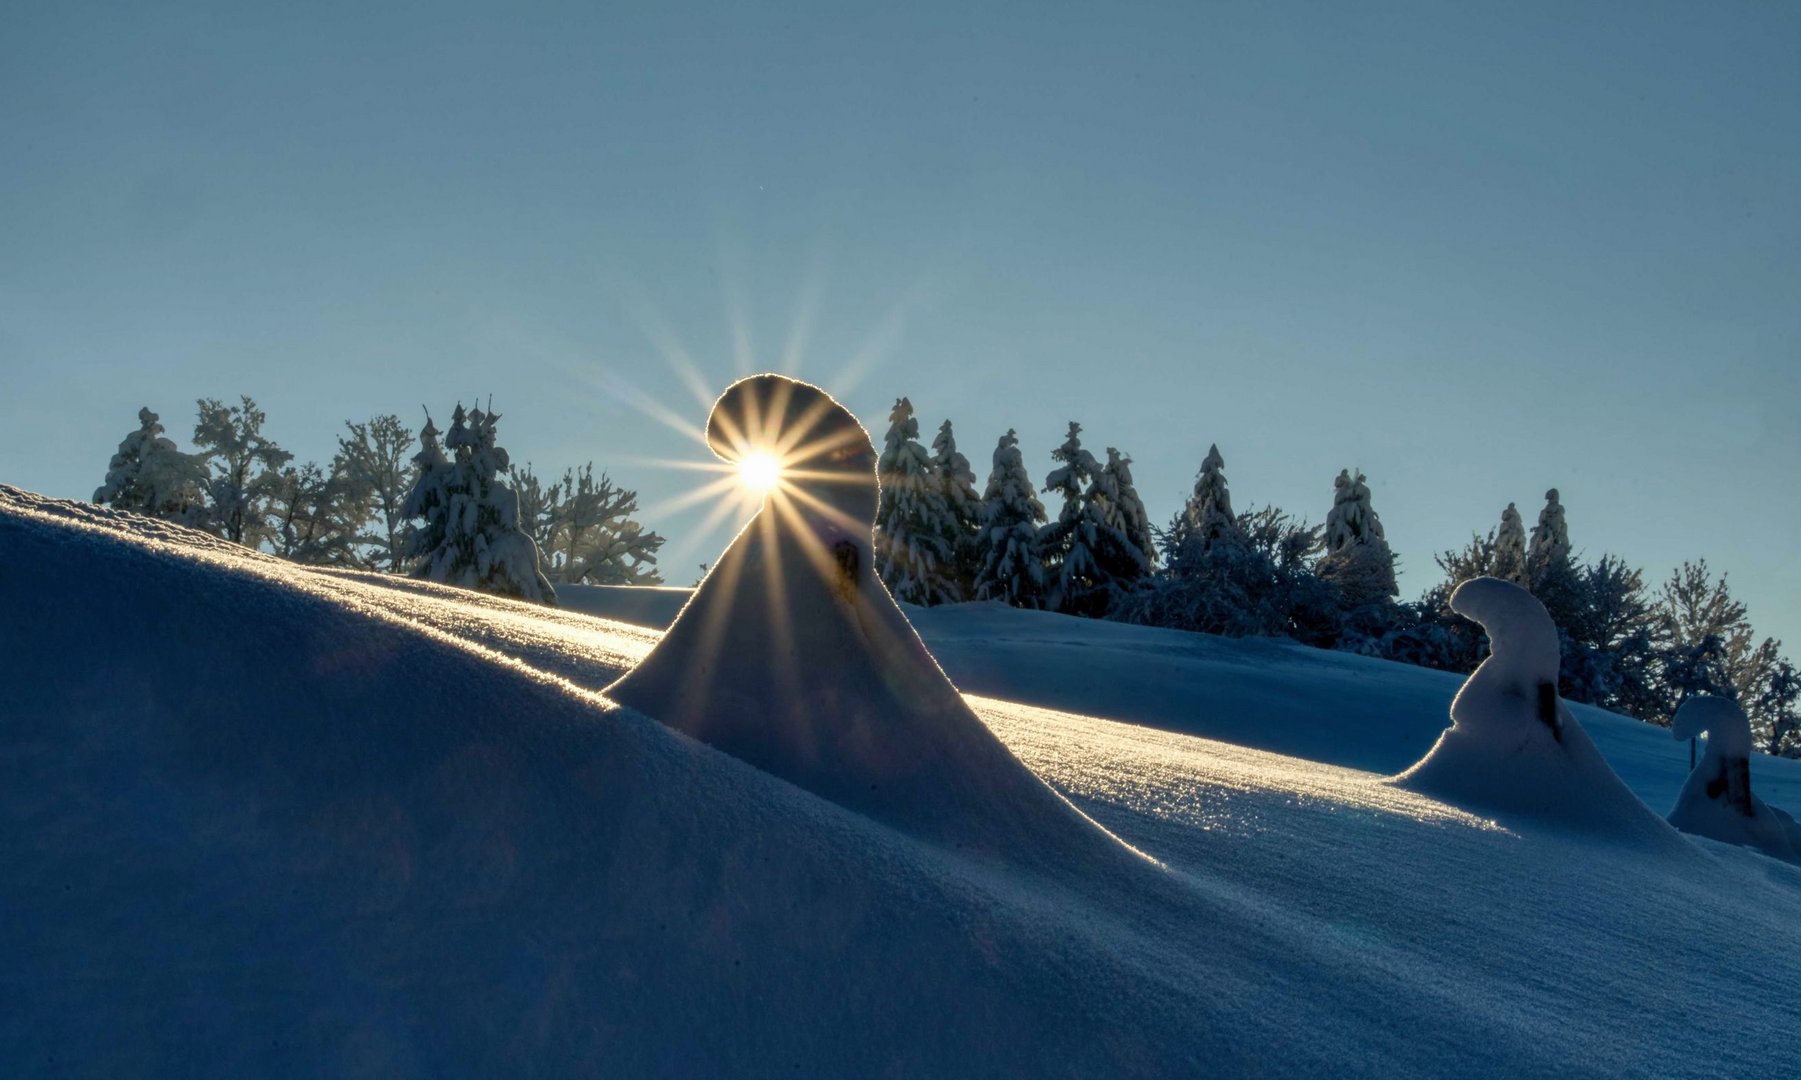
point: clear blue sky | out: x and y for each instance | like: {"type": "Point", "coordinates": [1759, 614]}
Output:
{"type": "Point", "coordinates": [1474, 252]}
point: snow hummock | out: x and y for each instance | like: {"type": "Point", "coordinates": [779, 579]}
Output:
{"type": "Point", "coordinates": [1717, 801]}
{"type": "Point", "coordinates": [1513, 746]}
{"type": "Point", "coordinates": [793, 657]}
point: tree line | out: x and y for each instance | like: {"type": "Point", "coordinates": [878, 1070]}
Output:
{"type": "Point", "coordinates": [1626, 646]}
{"type": "Point", "coordinates": [450, 507]}
{"type": "Point", "coordinates": [444, 506]}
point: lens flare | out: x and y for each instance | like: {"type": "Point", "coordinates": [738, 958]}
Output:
{"type": "Point", "coordinates": [760, 470]}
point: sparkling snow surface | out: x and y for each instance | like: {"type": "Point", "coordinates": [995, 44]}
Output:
{"type": "Point", "coordinates": [256, 819]}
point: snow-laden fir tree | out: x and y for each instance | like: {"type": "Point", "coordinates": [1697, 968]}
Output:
{"type": "Point", "coordinates": [913, 520]}
{"type": "Point", "coordinates": [1237, 574]}
{"type": "Point", "coordinates": [1510, 547]}
{"type": "Point", "coordinates": [148, 475]}
{"type": "Point", "coordinates": [246, 469]}
{"type": "Point", "coordinates": [1357, 560]}
{"type": "Point", "coordinates": [1088, 551]}
{"type": "Point", "coordinates": [1207, 521]}
{"type": "Point", "coordinates": [1067, 544]}
{"type": "Point", "coordinates": [1550, 546]}
{"type": "Point", "coordinates": [428, 502]}
{"type": "Point", "coordinates": [957, 483]}
{"type": "Point", "coordinates": [1129, 514]}
{"type": "Point", "coordinates": [471, 537]}
{"type": "Point", "coordinates": [1008, 567]}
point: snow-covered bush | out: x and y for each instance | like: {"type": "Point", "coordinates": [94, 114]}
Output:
{"type": "Point", "coordinates": [1008, 567]}
{"type": "Point", "coordinates": [148, 475]}
{"type": "Point", "coordinates": [1256, 578]}
{"type": "Point", "coordinates": [471, 536]}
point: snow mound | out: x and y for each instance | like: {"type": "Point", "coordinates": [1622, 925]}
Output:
{"type": "Point", "coordinates": [792, 656]}
{"type": "Point", "coordinates": [1717, 801]}
{"type": "Point", "coordinates": [1513, 746]}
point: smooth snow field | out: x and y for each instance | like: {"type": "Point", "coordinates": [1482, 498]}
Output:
{"type": "Point", "coordinates": [262, 820]}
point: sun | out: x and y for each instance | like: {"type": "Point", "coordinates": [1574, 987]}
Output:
{"type": "Point", "coordinates": [760, 470]}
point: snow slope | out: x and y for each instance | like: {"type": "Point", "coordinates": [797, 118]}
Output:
{"type": "Point", "coordinates": [258, 819]}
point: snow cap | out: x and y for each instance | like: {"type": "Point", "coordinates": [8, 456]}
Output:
{"type": "Point", "coordinates": [1521, 634]}
{"type": "Point", "coordinates": [1728, 730]}
{"type": "Point", "coordinates": [813, 436]}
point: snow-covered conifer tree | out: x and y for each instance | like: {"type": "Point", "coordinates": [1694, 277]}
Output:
{"type": "Point", "coordinates": [1129, 516]}
{"type": "Point", "coordinates": [472, 537]}
{"type": "Point", "coordinates": [1067, 544]}
{"type": "Point", "coordinates": [1550, 547]}
{"type": "Point", "coordinates": [148, 475]}
{"type": "Point", "coordinates": [1357, 559]}
{"type": "Point", "coordinates": [1089, 551]}
{"type": "Point", "coordinates": [913, 553]}
{"type": "Point", "coordinates": [1207, 521]}
{"type": "Point", "coordinates": [957, 482]}
{"type": "Point", "coordinates": [1510, 547]}
{"type": "Point", "coordinates": [1008, 566]}
{"type": "Point", "coordinates": [246, 468]}
{"type": "Point", "coordinates": [429, 499]}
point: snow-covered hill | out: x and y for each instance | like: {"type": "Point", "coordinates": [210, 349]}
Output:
{"type": "Point", "coordinates": [256, 819]}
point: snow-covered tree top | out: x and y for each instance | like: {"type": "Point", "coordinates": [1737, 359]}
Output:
{"type": "Point", "coordinates": [1209, 509]}
{"type": "Point", "coordinates": [945, 455]}
{"type": "Point", "coordinates": [956, 478]}
{"type": "Point", "coordinates": [1551, 538]}
{"type": "Point", "coordinates": [1008, 484]}
{"type": "Point", "coordinates": [901, 424]}
{"type": "Point", "coordinates": [1077, 471]}
{"type": "Point", "coordinates": [1352, 520]}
